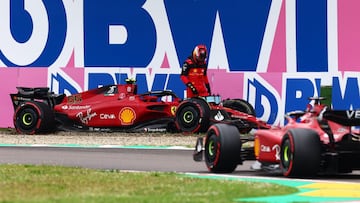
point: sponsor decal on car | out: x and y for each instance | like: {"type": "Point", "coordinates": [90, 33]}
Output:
{"type": "Point", "coordinates": [353, 114]}
{"type": "Point", "coordinates": [173, 110]}
{"type": "Point", "coordinates": [122, 96]}
{"type": "Point", "coordinates": [219, 116]}
{"type": "Point", "coordinates": [127, 116]}
{"type": "Point", "coordinates": [106, 116]}
{"type": "Point", "coordinates": [74, 99]}
{"type": "Point", "coordinates": [86, 117]}
{"type": "Point", "coordinates": [129, 89]}
{"type": "Point", "coordinates": [112, 90]}
{"type": "Point", "coordinates": [264, 148]}
{"type": "Point", "coordinates": [268, 149]}
{"type": "Point", "coordinates": [277, 151]}
{"type": "Point", "coordinates": [355, 138]}
{"type": "Point", "coordinates": [77, 107]}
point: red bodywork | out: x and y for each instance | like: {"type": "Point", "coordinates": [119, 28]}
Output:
{"type": "Point", "coordinates": [112, 107]}
{"type": "Point", "coordinates": [116, 106]}
{"type": "Point", "coordinates": [267, 142]}
{"type": "Point", "coordinates": [120, 108]}
{"type": "Point", "coordinates": [318, 140]}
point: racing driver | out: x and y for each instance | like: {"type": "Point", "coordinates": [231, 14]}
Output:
{"type": "Point", "coordinates": [193, 73]}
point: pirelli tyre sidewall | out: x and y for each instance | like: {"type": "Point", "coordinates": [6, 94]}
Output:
{"type": "Point", "coordinates": [222, 148]}
{"type": "Point", "coordinates": [192, 116]}
{"type": "Point", "coordinates": [300, 153]}
{"type": "Point", "coordinates": [34, 117]}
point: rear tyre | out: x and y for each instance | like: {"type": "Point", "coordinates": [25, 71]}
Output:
{"type": "Point", "coordinates": [222, 148]}
{"type": "Point", "coordinates": [33, 118]}
{"type": "Point", "coordinates": [240, 105]}
{"type": "Point", "coordinates": [300, 153]}
{"type": "Point", "coordinates": [192, 116]}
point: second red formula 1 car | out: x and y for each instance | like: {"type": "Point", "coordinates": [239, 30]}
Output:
{"type": "Point", "coordinates": [316, 141]}
{"type": "Point", "coordinates": [199, 113]}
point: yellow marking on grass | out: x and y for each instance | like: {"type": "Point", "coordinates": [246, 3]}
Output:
{"type": "Point", "coordinates": [332, 190]}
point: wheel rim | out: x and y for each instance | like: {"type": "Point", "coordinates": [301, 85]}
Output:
{"type": "Point", "coordinates": [286, 155]}
{"type": "Point", "coordinates": [286, 158]}
{"type": "Point", "coordinates": [188, 117]}
{"type": "Point", "coordinates": [211, 148]}
{"type": "Point", "coordinates": [27, 119]}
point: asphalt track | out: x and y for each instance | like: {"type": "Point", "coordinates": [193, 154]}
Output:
{"type": "Point", "coordinates": [339, 188]}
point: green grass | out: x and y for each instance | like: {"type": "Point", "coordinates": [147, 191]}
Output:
{"type": "Point", "coordinates": [28, 183]}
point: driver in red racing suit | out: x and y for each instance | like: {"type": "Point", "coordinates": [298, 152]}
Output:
{"type": "Point", "coordinates": [193, 73]}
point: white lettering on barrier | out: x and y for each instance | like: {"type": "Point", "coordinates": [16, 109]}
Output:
{"type": "Point", "coordinates": [117, 34]}
{"type": "Point", "coordinates": [27, 52]}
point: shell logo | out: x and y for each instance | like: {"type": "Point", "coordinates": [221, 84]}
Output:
{"type": "Point", "coordinates": [127, 116]}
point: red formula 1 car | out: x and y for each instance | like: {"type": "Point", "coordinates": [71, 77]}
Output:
{"type": "Point", "coordinates": [316, 141]}
{"type": "Point", "coordinates": [108, 108]}
{"type": "Point", "coordinates": [120, 108]}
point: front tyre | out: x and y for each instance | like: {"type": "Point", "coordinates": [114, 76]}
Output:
{"type": "Point", "coordinates": [222, 148]}
{"type": "Point", "coordinates": [192, 116]}
{"type": "Point", "coordinates": [33, 117]}
{"type": "Point", "coordinates": [300, 153]}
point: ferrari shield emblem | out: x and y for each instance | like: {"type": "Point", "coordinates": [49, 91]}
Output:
{"type": "Point", "coordinates": [173, 110]}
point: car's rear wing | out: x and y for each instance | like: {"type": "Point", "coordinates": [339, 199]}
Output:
{"type": "Point", "coordinates": [41, 94]}
{"type": "Point", "coordinates": [343, 117]}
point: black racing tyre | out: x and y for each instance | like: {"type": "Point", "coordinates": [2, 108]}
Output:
{"type": "Point", "coordinates": [33, 118]}
{"type": "Point", "coordinates": [192, 116]}
{"type": "Point", "coordinates": [222, 148]}
{"type": "Point", "coordinates": [240, 105]}
{"type": "Point", "coordinates": [300, 153]}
